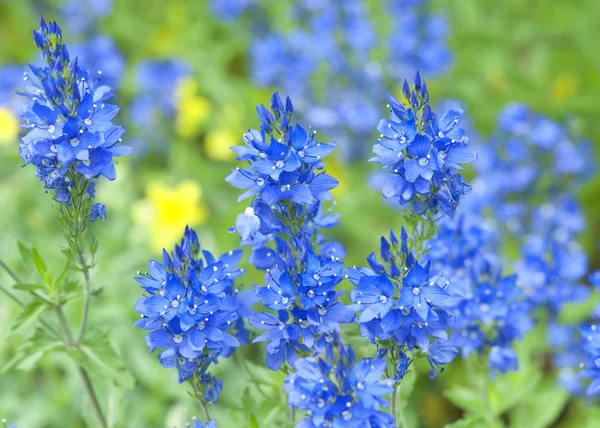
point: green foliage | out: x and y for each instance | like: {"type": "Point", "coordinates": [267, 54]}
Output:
{"type": "Point", "coordinates": [98, 356]}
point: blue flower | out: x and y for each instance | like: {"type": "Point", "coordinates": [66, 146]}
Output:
{"type": "Point", "coordinates": [423, 152]}
{"type": "Point", "coordinates": [340, 393]}
{"type": "Point", "coordinates": [71, 135]}
{"type": "Point", "coordinates": [502, 360]}
{"type": "Point", "coordinates": [284, 224]}
{"type": "Point", "coordinates": [340, 61]}
{"type": "Point", "coordinates": [408, 314]}
{"type": "Point", "coordinates": [97, 210]}
{"type": "Point", "coordinates": [192, 310]}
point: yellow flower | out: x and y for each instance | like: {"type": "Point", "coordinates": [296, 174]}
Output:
{"type": "Point", "coordinates": [564, 87]}
{"type": "Point", "coordinates": [9, 126]}
{"type": "Point", "coordinates": [167, 210]}
{"type": "Point", "coordinates": [218, 142]}
{"type": "Point", "coordinates": [192, 109]}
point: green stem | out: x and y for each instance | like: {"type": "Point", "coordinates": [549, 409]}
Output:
{"type": "Point", "coordinates": [10, 272]}
{"type": "Point", "coordinates": [403, 423]}
{"type": "Point", "coordinates": [198, 395]}
{"type": "Point", "coordinates": [12, 296]}
{"type": "Point", "coordinates": [86, 304]}
{"type": "Point", "coordinates": [85, 377]}
{"type": "Point", "coordinates": [87, 383]}
{"type": "Point", "coordinates": [394, 392]}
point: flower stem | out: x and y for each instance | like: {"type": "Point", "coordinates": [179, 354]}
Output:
{"type": "Point", "coordinates": [87, 383]}
{"type": "Point", "coordinates": [394, 392]}
{"type": "Point", "coordinates": [198, 395]}
{"type": "Point", "coordinates": [205, 411]}
{"type": "Point", "coordinates": [9, 271]}
{"type": "Point", "coordinates": [86, 304]}
{"type": "Point", "coordinates": [85, 377]}
{"type": "Point", "coordinates": [11, 296]}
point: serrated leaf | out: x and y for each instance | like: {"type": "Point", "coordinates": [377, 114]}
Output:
{"type": "Point", "coordinates": [28, 316]}
{"type": "Point", "coordinates": [33, 350]}
{"type": "Point", "coordinates": [40, 265]}
{"type": "Point", "coordinates": [466, 398]}
{"type": "Point", "coordinates": [98, 356]}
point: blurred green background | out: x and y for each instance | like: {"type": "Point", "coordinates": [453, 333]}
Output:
{"type": "Point", "coordinates": [540, 52]}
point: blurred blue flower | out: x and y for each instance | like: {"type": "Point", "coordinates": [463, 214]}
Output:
{"type": "Point", "coordinates": [100, 56]}
{"type": "Point", "coordinates": [229, 10]}
{"type": "Point", "coordinates": [502, 360]}
{"type": "Point", "coordinates": [339, 67]}
{"type": "Point", "coordinates": [82, 15]}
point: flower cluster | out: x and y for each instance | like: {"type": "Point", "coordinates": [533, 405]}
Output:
{"type": "Point", "coordinates": [424, 153]}
{"type": "Point", "coordinates": [340, 393]}
{"type": "Point", "coordinates": [401, 302]}
{"type": "Point", "coordinates": [494, 310]}
{"type": "Point", "coordinates": [339, 70]}
{"type": "Point", "coordinates": [71, 136]}
{"type": "Point", "coordinates": [288, 186]}
{"type": "Point", "coordinates": [192, 310]}
{"type": "Point", "coordinates": [542, 158]}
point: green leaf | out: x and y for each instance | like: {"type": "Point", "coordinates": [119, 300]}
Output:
{"type": "Point", "coordinates": [542, 407]}
{"type": "Point", "coordinates": [29, 287]}
{"type": "Point", "coordinates": [33, 350]}
{"type": "Point", "coordinates": [40, 265]}
{"type": "Point", "coordinates": [28, 316]}
{"type": "Point", "coordinates": [466, 398]}
{"type": "Point", "coordinates": [253, 421]}
{"type": "Point", "coordinates": [470, 421]}
{"type": "Point", "coordinates": [97, 355]}
{"type": "Point", "coordinates": [25, 252]}
{"type": "Point", "coordinates": [247, 401]}
{"type": "Point", "coordinates": [508, 390]}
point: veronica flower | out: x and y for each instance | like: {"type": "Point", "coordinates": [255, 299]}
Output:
{"type": "Point", "coordinates": [71, 136]}
{"type": "Point", "coordinates": [423, 152]}
{"type": "Point", "coordinates": [191, 308]}
{"type": "Point", "coordinates": [347, 394]}
{"type": "Point", "coordinates": [289, 187]}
